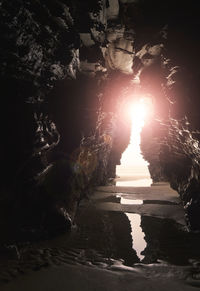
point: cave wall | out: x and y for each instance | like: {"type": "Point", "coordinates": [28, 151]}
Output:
{"type": "Point", "coordinates": [66, 73]}
{"type": "Point", "coordinates": [171, 141]}
{"type": "Point", "coordinates": [58, 124]}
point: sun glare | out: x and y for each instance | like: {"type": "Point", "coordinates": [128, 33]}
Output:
{"type": "Point", "coordinates": [132, 162]}
{"type": "Point", "coordinates": [138, 112]}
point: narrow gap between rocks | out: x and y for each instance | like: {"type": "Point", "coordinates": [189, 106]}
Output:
{"type": "Point", "coordinates": [133, 170]}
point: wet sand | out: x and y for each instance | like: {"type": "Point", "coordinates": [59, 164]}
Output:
{"type": "Point", "coordinates": [125, 238]}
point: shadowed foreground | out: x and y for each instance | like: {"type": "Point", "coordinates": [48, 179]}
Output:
{"type": "Point", "coordinates": [99, 253]}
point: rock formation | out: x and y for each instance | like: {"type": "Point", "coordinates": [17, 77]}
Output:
{"type": "Point", "coordinates": [67, 70]}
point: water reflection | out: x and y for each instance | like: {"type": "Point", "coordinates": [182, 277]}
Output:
{"type": "Point", "coordinates": [138, 237]}
{"type": "Point", "coordinates": [138, 242]}
{"type": "Point", "coordinates": [129, 201]}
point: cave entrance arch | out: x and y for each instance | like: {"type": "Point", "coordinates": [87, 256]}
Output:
{"type": "Point", "coordinates": [133, 170]}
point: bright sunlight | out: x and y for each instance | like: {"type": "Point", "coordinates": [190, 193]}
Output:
{"type": "Point", "coordinates": [133, 170]}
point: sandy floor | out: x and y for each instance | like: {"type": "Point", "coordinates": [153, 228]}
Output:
{"type": "Point", "coordinates": [99, 254]}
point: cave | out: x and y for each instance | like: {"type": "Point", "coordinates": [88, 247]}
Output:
{"type": "Point", "coordinates": [70, 70]}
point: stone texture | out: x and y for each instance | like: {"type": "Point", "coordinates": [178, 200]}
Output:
{"type": "Point", "coordinates": [173, 141]}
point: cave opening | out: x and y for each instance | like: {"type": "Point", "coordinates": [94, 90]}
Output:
{"type": "Point", "coordinates": [133, 169]}
{"type": "Point", "coordinates": [68, 72]}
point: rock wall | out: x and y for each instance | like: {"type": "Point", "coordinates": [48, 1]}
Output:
{"type": "Point", "coordinates": [171, 141]}
{"type": "Point", "coordinates": [58, 124]}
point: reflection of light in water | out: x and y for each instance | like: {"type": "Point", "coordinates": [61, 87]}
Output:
{"type": "Point", "coordinates": [138, 241]}
{"type": "Point", "coordinates": [131, 201]}
{"type": "Point", "coordinates": [132, 162]}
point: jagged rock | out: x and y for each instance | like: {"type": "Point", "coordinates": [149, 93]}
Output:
{"type": "Point", "coordinates": [173, 150]}
{"type": "Point", "coordinates": [120, 51]}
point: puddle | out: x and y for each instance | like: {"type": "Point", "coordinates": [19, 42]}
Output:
{"type": "Point", "coordinates": [109, 233]}
{"type": "Point", "coordinates": [135, 238]}
{"type": "Point", "coordinates": [126, 201]}
{"type": "Point", "coordinates": [138, 241]}
{"type": "Point", "coordinates": [101, 237]}
{"type": "Point", "coordinates": [160, 202]}
{"type": "Point", "coordinates": [112, 240]}
{"type": "Point", "coordinates": [121, 199]}
{"type": "Point", "coordinates": [138, 238]}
